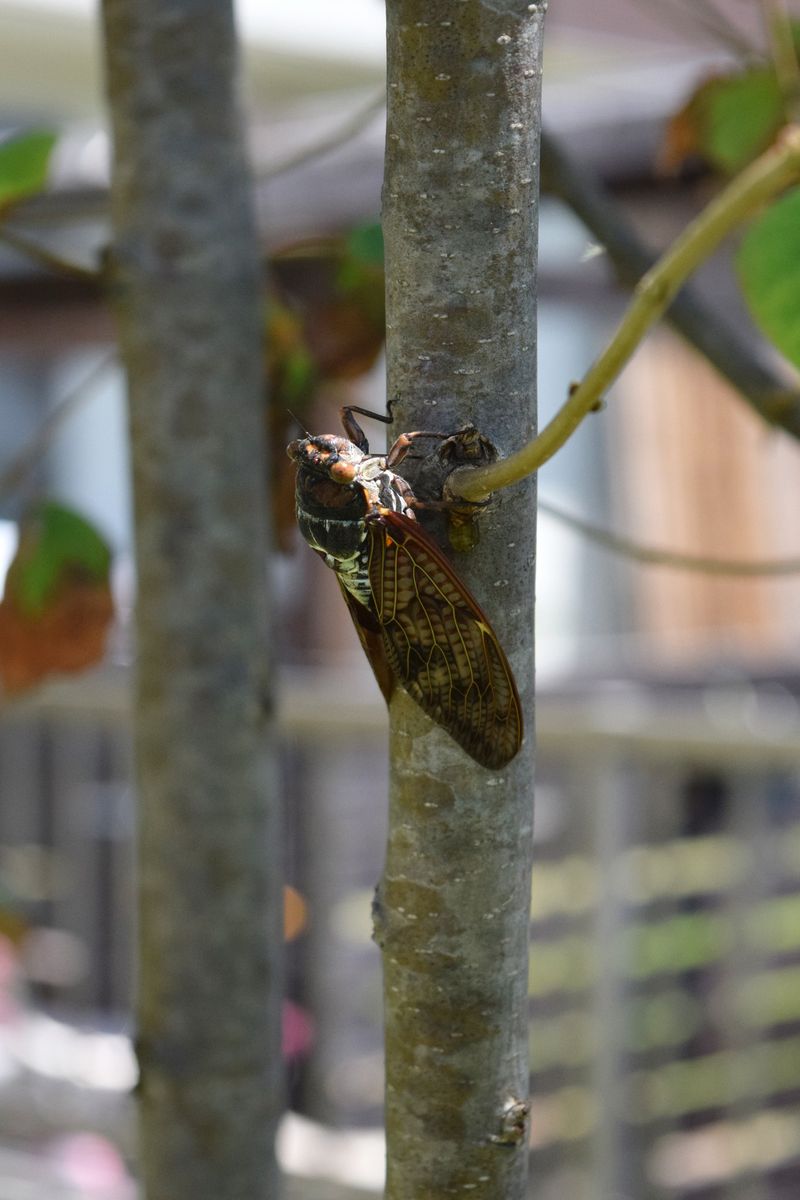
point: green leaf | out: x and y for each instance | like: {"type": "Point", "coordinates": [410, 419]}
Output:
{"type": "Point", "coordinates": [365, 244]}
{"type": "Point", "coordinates": [58, 542]}
{"type": "Point", "coordinates": [738, 117]}
{"type": "Point", "coordinates": [768, 263]}
{"type": "Point", "coordinates": [298, 376]}
{"type": "Point", "coordinates": [24, 161]}
{"type": "Point", "coordinates": [292, 369]}
{"type": "Point", "coordinates": [360, 276]}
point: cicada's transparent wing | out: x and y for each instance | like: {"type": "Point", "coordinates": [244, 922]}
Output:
{"type": "Point", "coordinates": [439, 642]}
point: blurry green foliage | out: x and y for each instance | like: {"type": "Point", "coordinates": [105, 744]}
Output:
{"type": "Point", "coordinates": [24, 162]}
{"type": "Point", "coordinates": [55, 543]}
{"type": "Point", "coordinates": [768, 263]}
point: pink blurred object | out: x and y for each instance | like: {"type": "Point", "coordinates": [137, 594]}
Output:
{"type": "Point", "coordinates": [91, 1162]}
{"type": "Point", "coordinates": [298, 1031]}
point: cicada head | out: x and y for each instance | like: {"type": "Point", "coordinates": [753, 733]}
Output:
{"type": "Point", "coordinates": [328, 456]}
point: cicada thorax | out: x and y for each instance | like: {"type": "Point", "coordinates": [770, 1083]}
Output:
{"type": "Point", "coordinates": [338, 486]}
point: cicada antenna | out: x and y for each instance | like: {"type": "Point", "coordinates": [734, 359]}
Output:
{"type": "Point", "coordinates": [297, 421]}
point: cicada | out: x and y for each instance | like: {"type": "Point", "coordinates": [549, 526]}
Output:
{"type": "Point", "coordinates": [418, 623]}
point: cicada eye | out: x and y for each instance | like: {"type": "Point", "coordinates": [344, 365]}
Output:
{"type": "Point", "coordinates": [342, 472]}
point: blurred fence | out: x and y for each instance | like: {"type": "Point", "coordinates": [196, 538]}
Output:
{"type": "Point", "coordinates": [665, 961]}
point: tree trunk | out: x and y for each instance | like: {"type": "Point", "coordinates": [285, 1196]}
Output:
{"type": "Point", "coordinates": [186, 281]}
{"type": "Point", "coordinates": [460, 218]}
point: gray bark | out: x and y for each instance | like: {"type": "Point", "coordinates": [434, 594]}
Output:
{"type": "Point", "coordinates": [185, 278]}
{"type": "Point", "coordinates": [460, 220]}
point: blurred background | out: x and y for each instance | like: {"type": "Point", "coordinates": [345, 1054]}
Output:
{"type": "Point", "coordinates": [665, 970]}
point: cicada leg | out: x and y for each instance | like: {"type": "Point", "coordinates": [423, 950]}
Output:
{"type": "Point", "coordinates": [398, 450]}
{"type": "Point", "coordinates": [352, 428]}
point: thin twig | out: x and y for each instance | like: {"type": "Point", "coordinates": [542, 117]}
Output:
{"type": "Point", "coordinates": [315, 246]}
{"type": "Point", "coordinates": [780, 34]}
{"type": "Point", "coordinates": [712, 21]}
{"type": "Point", "coordinates": [333, 141]}
{"type": "Point", "coordinates": [701, 326]}
{"type": "Point", "coordinates": [17, 471]}
{"type": "Point", "coordinates": [47, 258]}
{"type": "Point", "coordinates": [652, 556]}
{"type": "Point", "coordinates": [764, 179]}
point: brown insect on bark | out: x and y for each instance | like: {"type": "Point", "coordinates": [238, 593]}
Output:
{"type": "Point", "coordinates": [419, 624]}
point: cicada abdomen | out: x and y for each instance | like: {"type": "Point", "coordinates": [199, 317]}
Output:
{"type": "Point", "coordinates": [417, 621]}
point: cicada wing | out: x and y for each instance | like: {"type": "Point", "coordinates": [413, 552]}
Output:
{"type": "Point", "coordinates": [371, 637]}
{"type": "Point", "coordinates": [440, 643]}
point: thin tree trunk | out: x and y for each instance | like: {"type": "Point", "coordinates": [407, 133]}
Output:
{"type": "Point", "coordinates": [186, 282]}
{"type": "Point", "coordinates": [460, 219]}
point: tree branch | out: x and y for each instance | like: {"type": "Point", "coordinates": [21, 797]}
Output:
{"type": "Point", "coordinates": [780, 33]}
{"type": "Point", "coordinates": [699, 324]}
{"type": "Point", "coordinates": [47, 258]}
{"type": "Point", "coordinates": [765, 178]}
{"type": "Point", "coordinates": [17, 471]}
{"type": "Point", "coordinates": [451, 915]}
{"type": "Point", "coordinates": [708, 19]}
{"type": "Point", "coordinates": [741, 568]}
{"type": "Point", "coordinates": [187, 288]}
{"type": "Point", "coordinates": [332, 141]}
